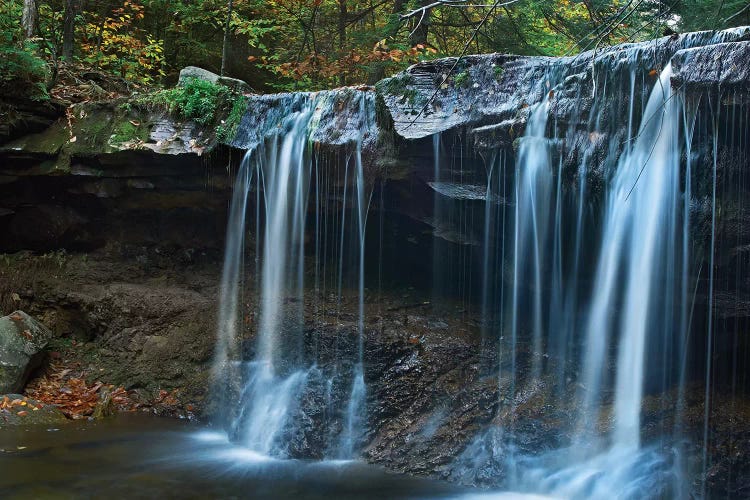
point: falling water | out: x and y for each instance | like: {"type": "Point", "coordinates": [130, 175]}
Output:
{"type": "Point", "coordinates": [533, 194]}
{"type": "Point", "coordinates": [592, 312]}
{"type": "Point", "coordinates": [272, 384]}
{"type": "Point", "coordinates": [636, 303]}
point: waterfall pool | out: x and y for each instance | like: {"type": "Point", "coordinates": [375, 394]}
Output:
{"type": "Point", "coordinates": [141, 456]}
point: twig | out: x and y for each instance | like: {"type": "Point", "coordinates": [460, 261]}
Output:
{"type": "Point", "coordinates": [447, 3]}
{"type": "Point", "coordinates": [460, 56]}
{"type": "Point", "coordinates": [737, 13]}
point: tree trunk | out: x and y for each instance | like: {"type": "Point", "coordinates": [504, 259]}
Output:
{"type": "Point", "coordinates": [30, 18]}
{"type": "Point", "coordinates": [342, 34]}
{"type": "Point", "coordinates": [419, 36]}
{"type": "Point", "coordinates": [225, 48]}
{"type": "Point", "coordinates": [69, 30]}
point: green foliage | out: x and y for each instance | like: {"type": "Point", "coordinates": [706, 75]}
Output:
{"type": "Point", "coordinates": [22, 72]}
{"type": "Point", "coordinates": [197, 100]}
{"type": "Point", "coordinates": [462, 79]}
{"type": "Point", "coordinates": [203, 102]}
{"type": "Point", "coordinates": [115, 41]}
{"type": "Point", "coordinates": [697, 15]}
{"type": "Point", "coordinates": [228, 128]}
{"type": "Point", "coordinates": [314, 44]}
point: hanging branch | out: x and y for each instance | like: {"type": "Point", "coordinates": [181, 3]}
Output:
{"type": "Point", "coordinates": [462, 4]}
{"type": "Point", "coordinates": [463, 51]}
{"type": "Point", "coordinates": [737, 13]}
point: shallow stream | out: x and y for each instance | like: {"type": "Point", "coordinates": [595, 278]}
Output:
{"type": "Point", "coordinates": [140, 456]}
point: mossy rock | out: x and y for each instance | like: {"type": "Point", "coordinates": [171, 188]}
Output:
{"type": "Point", "coordinates": [22, 344]}
{"type": "Point", "coordinates": [18, 410]}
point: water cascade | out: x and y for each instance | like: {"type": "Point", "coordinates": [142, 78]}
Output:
{"type": "Point", "coordinates": [262, 398]}
{"type": "Point", "coordinates": [610, 339]}
{"type": "Point", "coordinates": [576, 249]}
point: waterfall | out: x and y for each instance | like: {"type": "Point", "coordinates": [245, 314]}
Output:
{"type": "Point", "coordinates": [589, 245]}
{"type": "Point", "coordinates": [262, 399]}
{"type": "Point", "coordinates": [532, 220]}
{"type": "Point", "coordinates": [633, 311]}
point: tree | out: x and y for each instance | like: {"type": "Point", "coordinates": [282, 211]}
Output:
{"type": "Point", "coordinates": [30, 18]}
{"type": "Point", "coordinates": [69, 20]}
{"type": "Point", "coordinates": [225, 45]}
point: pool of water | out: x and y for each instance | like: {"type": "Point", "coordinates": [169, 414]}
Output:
{"type": "Point", "coordinates": [139, 456]}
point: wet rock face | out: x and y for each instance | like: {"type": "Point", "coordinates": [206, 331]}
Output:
{"type": "Point", "coordinates": [22, 343]}
{"type": "Point", "coordinates": [53, 195]}
{"type": "Point", "coordinates": [490, 95]}
{"type": "Point", "coordinates": [713, 67]}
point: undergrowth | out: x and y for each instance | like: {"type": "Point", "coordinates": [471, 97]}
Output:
{"type": "Point", "coordinates": [23, 72]}
{"type": "Point", "coordinates": [203, 102]}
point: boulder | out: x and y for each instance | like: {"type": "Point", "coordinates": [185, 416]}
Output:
{"type": "Point", "coordinates": [22, 343]}
{"type": "Point", "coordinates": [16, 409]}
{"type": "Point", "coordinates": [189, 72]}
{"type": "Point", "coordinates": [235, 84]}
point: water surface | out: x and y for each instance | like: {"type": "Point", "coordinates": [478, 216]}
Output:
{"type": "Point", "coordinates": [140, 456]}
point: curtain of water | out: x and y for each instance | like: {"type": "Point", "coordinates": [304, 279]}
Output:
{"type": "Point", "coordinates": [265, 396]}
{"type": "Point", "coordinates": [634, 296]}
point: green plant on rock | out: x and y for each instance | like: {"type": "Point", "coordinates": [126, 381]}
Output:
{"type": "Point", "coordinates": [203, 102]}
{"type": "Point", "coordinates": [128, 131]}
{"type": "Point", "coordinates": [396, 86]}
{"type": "Point", "coordinates": [228, 128]}
{"type": "Point", "coordinates": [462, 79]}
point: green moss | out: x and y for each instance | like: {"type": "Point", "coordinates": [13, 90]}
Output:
{"type": "Point", "coordinates": [462, 79]}
{"type": "Point", "coordinates": [127, 131]}
{"type": "Point", "coordinates": [228, 129]}
{"type": "Point", "coordinates": [498, 70]}
{"type": "Point", "coordinates": [396, 86]}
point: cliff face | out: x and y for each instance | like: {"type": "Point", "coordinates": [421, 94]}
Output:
{"type": "Point", "coordinates": [104, 176]}
{"type": "Point", "coordinates": [69, 176]}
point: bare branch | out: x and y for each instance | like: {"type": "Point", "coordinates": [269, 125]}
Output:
{"type": "Point", "coordinates": [462, 4]}
{"type": "Point", "coordinates": [737, 13]}
{"type": "Point", "coordinates": [461, 55]}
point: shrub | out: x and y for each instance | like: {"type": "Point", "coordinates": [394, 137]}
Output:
{"type": "Point", "coordinates": [462, 79]}
{"type": "Point", "coordinates": [203, 102]}
{"type": "Point", "coordinates": [22, 73]}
